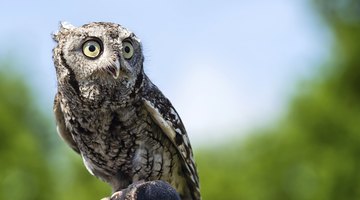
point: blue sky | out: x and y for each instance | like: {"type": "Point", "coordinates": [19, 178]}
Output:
{"type": "Point", "coordinates": [227, 66]}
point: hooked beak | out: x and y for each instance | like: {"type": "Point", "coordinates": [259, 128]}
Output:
{"type": "Point", "coordinates": [114, 69]}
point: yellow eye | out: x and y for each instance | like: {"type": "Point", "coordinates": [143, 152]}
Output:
{"type": "Point", "coordinates": [128, 50]}
{"type": "Point", "coordinates": [91, 48]}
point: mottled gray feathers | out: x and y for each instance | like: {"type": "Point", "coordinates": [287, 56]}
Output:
{"type": "Point", "coordinates": [109, 111]}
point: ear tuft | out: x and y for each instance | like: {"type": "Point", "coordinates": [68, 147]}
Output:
{"type": "Point", "coordinates": [55, 36]}
{"type": "Point", "coordinates": [66, 25]}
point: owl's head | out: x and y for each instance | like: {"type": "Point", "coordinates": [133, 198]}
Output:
{"type": "Point", "coordinates": [100, 51]}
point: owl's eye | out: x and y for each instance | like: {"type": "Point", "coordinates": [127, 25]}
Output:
{"type": "Point", "coordinates": [128, 50]}
{"type": "Point", "coordinates": [91, 48]}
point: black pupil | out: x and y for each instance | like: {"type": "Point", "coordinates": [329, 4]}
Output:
{"type": "Point", "coordinates": [92, 48]}
{"type": "Point", "coordinates": [127, 49]}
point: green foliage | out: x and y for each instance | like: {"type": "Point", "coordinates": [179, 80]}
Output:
{"type": "Point", "coordinates": [32, 165]}
{"type": "Point", "coordinates": [22, 173]}
{"type": "Point", "coordinates": [313, 153]}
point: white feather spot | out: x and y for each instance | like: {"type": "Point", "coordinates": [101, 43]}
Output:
{"type": "Point", "coordinates": [172, 111]}
{"type": "Point", "coordinates": [157, 162]}
{"type": "Point", "coordinates": [88, 165]}
{"type": "Point", "coordinates": [164, 125]}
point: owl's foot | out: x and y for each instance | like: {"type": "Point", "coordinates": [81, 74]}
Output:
{"type": "Point", "coordinates": [151, 190]}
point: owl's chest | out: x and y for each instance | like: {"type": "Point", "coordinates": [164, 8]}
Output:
{"type": "Point", "coordinates": [103, 122]}
{"type": "Point", "coordinates": [123, 142]}
{"type": "Point", "coordinates": [105, 127]}
{"type": "Point", "coordinates": [98, 111]}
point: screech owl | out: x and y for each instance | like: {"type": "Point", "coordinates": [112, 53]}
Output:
{"type": "Point", "coordinates": [108, 110]}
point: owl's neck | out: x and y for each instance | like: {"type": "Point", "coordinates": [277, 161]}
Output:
{"type": "Point", "coordinates": [95, 91]}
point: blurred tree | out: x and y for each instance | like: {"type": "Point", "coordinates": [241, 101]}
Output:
{"type": "Point", "coordinates": [313, 153]}
{"type": "Point", "coordinates": [34, 165]}
{"type": "Point", "coordinates": [23, 174]}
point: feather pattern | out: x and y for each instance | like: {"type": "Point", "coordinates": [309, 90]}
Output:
{"type": "Point", "coordinates": [165, 115]}
{"type": "Point", "coordinates": [108, 111]}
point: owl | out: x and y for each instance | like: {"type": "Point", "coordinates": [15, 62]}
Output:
{"type": "Point", "coordinates": [108, 111]}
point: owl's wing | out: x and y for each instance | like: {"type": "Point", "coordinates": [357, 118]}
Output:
{"type": "Point", "coordinates": [166, 117]}
{"type": "Point", "coordinates": [60, 125]}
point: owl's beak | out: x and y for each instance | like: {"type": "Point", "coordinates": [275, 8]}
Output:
{"type": "Point", "coordinates": [114, 69]}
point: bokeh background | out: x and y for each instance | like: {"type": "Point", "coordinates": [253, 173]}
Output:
{"type": "Point", "coordinates": [268, 91]}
